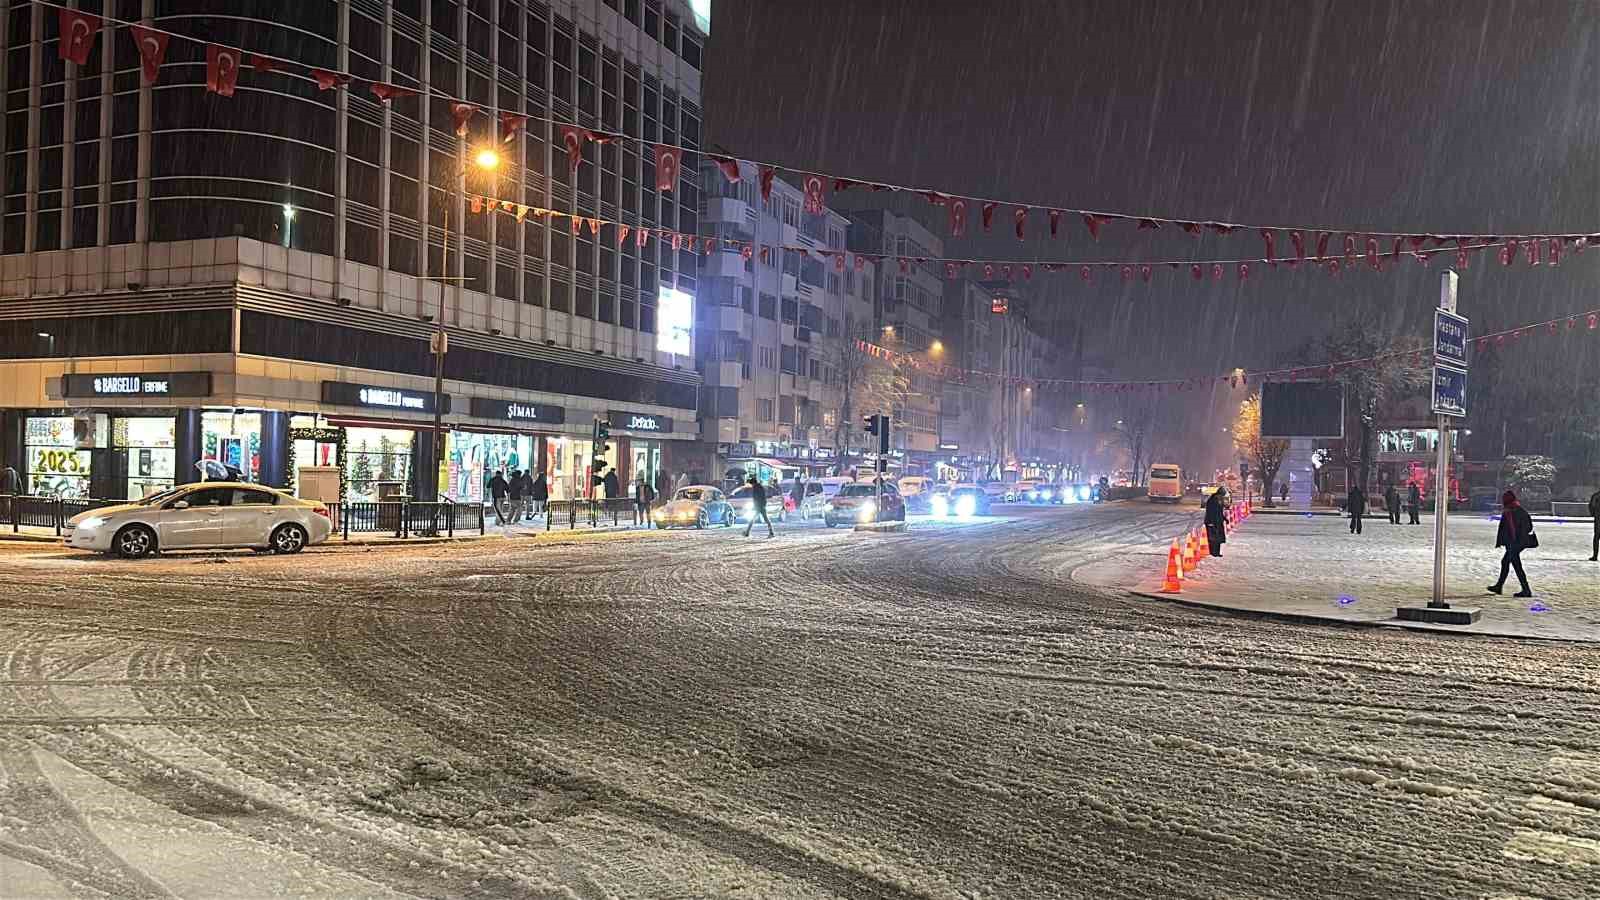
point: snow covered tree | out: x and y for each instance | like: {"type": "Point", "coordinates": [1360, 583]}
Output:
{"type": "Point", "coordinates": [1523, 472]}
{"type": "Point", "coordinates": [361, 468]}
{"type": "Point", "coordinates": [1265, 454]}
{"type": "Point", "coordinates": [386, 459]}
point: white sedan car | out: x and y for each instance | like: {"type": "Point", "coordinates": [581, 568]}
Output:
{"type": "Point", "coordinates": [207, 515]}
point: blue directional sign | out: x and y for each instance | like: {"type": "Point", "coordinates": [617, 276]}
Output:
{"type": "Point", "coordinates": [1449, 339]}
{"type": "Point", "coordinates": [1449, 391]}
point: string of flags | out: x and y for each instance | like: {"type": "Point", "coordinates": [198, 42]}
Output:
{"type": "Point", "coordinates": [989, 269]}
{"type": "Point", "coordinates": [1419, 356]}
{"type": "Point", "coordinates": [1291, 245]}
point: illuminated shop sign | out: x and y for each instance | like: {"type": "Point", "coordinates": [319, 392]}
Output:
{"type": "Point", "coordinates": [517, 411]}
{"type": "Point", "coordinates": [343, 393]}
{"type": "Point", "coordinates": [623, 420]}
{"type": "Point", "coordinates": [144, 384]}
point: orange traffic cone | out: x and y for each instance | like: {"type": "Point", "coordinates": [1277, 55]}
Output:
{"type": "Point", "coordinates": [1174, 580]}
{"type": "Point", "coordinates": [1191, 555]}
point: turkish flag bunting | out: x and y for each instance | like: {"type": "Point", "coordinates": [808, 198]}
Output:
{"type": "Point", "coordinates": [1055, 221]}
{"type": "Point", "coordinates": [386, 92]}
{"type": "Point", "coordinates": [861, 262]}
{"type": "Point", "coordinates": [265, 63]}
{"type": "Point", "coordinates": [77, 35]}
{"type": "Point", "coordinates": [838, 261]}
{"type": "Point", "coordinates": [1394, 252]}
{"type": "Point", "coordinates": [461, 114]}
{"type": "Point", "coordinates": [729, 167]}
{"type": "Point", "coordinates": [642, 237]}
{"type": "Point", "coordinates": [1216, 271]}
{"type": "Point", "coordinates": [1508, 252]}
{"type": "Point", "coordinates": [988, 215]}
{"type": "Point", "coordinates": [950, 270]}
{"type": "Point", "coordinates": [1005, 272]}
{"type": "Point", "coordinates": [988, 270]}
{"type": "Point", "coordinates": [327, 81]}
{"type": "Point", "coordinates": [1127, 272]}
{"type": "Point", "coordinates": [1190, 228]}
{"type": "Point", "coordinates": [222, 69]}
{"type": "Point", "coordinates": [1298, 239]}
{"type": "Point", "coordinates": [1244, 271]}
{"type": "Point", "coordinates": [1270, 239]}
{"type": "Point", "coordinates": [1461, 254]}
{"type": "Point", "coordinates": [152, 46]}
{"type": "Point", "coordinates": [1531, 249]}
{"type": "Point", "coordinates": [813, 194]}
{"type": "Point", "coordinates": [677, 241]}
{"type": "Point", "coordinates": [1197, 272]}
{"type": "Point", "coordinates": [842, 184]}
{"type": "Point", "coordinates": [1322, 244]}
{"type": "Point", "coordinates": [766, 182]}
{"type": "Point", "coordinates": [1222, 227]}
{"type": "Point", "coordinates": [1094, 222]}
{"type": "Point", "coordinates": [1555, 251]}
{"type": "Point", "coordinates": [1333, 267]}
{"type": "Point", "coordinates": [957, 208]}
{"type": "Point", "coordinates": [1144, 272]}
{"type": "Point", "coordinates": [666, 167]}
{"type": "Point", "coordinates": [522, 212]}
{"type": "Point", "coordinates": [477, 204]}
{"type": "Point", "coordinates": [576, 223]}
{"type": "Point", "coordinates": [1027, 271]}
{"type": "Point", "coordinates": [905, 265]}
{"type": "Point", "coordinates": [1149, 225]}
{"type": "Point", "coordinates": [623, 229]}
{"type": "Point", "coordinates": [1086, 273]}
{"type": "Point", "coordinates": [1372, 253]}
{"type": "Point", "coordinates": [747, 251]}
{"type": "Point", "coordinates": [594, 227]}
{"type": "Point", "coordinates": [572, 138]}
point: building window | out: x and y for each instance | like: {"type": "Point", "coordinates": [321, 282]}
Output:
{"type": "Point", "coordinates": [769, 307]}
{"type": "Point", "coordinates": [763, 410]}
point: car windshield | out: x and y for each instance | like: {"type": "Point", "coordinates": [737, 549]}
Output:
{"type": "Point", "coordinates": [1163, 473]}
{"type": "Point", "coordinates": [691, 494]}
{"type": "Point", "coordinates": [162, 496]}
{"type": "Point", "coordinates": [858, 490]}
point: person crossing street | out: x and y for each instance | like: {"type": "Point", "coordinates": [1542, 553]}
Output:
{"type": "Point", "coordinates": [1594, 513]}
{"type": "Point", "coordinates": [1414, 502]}
{"type": "Point", "coordinates": [1391, 502]}
{"type": "Point", "coordinates": [1516, 535]}
{"type": "Point", "coordinates": [1356, 506]}
{"type": "Point", "coordinates": [758, 498]}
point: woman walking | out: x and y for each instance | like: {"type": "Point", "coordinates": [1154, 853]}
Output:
{"type": "Point", "coordinates": [1516, 535]}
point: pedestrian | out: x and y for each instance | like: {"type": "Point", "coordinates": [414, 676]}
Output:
{"type": "Point", "coordinates": [1516, 535]}
{"type": "Point", "coordinates": [758, 497]}
{"type": "Point", "coordinates": [1283, 490]}
{"type": "Point", "coordinates": [527, 495]}
{"type": "Point", "coordinates": [613, 486]}
{"type": "Point", "coordinates": [1391, 502]}
{"type": "Point", "coordinates": [642, 497]}
{"type": "Point", "coordinates": [515, 487]}
{"type": "Point", "coordinates": [10, 484]}
{"type": "Point", "coordinates": [1216, 523]}
{"type": "Point", "coordinates": [1356, 506]}
{"type": "Point", "coordinates": [1594, 513]}
{"type": "Point", "coordinates": [498, 489]}
{"type": "Point", "coordinates": [1414, 502]}
{"type": "Point", "coordinates": [540, 493]}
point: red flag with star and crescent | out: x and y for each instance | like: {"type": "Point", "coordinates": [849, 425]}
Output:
{"type": "Point", "coordinates": [666, 167]}
{"type": "Point", "coordinates": [813, 194]}
{"type": "Point", "coordinates": [152, 46]}
{"type": "Point", "coordinates": [222, 69]}
{"type": "Point", "coordinates": [77, 35]}
{"type": "Point", "coordinates": [461, 114]}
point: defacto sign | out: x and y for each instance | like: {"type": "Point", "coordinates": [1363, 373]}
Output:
{"type": "Point", "coordinates": [145, 384]}
{"type": "Point", "coordinates": [517, 411]}
{"type": "Point", "coordinates": [649, 423]}
{"type": "Point", "coordinates": [343, 393]}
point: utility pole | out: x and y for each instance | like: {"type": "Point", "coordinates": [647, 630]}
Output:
{"type": "Point", "coordinates": [1441, 487]}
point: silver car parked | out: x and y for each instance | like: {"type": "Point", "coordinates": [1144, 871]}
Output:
{"type": "Point", "coordinates": [203, 516]}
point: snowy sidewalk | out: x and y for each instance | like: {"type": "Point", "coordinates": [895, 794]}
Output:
{"type": "Point", "coordinates": [1312, 567]}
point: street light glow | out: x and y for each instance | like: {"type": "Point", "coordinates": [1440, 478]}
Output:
{"type": "Point", "coordinates": [487, 159]}
{"type": "Point", "coordinates": [288, 211]}
{"type": "Point", "coordinates": [936, 347]}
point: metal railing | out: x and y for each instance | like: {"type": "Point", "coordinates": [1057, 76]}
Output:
{"type": "Point", "coordinates": [593, 512]}
{"type": "Point", "coordinates": [18, 511]}
{"type": "Point", "coordinates": [406, 518]}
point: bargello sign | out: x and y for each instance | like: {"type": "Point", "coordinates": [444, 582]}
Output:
{"type": "Point", "coordinates": [518, 411]}
{"type": "Point", "coordinates": [152, 384]}
{"type": "Point", "coordinates": [343, 393]}
{"type": "Point", "coordinates": [623, 420]}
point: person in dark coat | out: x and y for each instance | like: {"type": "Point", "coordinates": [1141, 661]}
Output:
{"type": "Point", "coordinates": [643, 496]}
{"type": "Point", "coordinates": [1391, 502]}
{"type": "Point", "coordinates": [498, 489]}
{"type": "Point", "coordinates": [540, 493]}
{"type": "Point", "coordinates": [1414, 502]}
{"type": "Point", "coordinates": [1594, 512]}
{"type": "Point", "coordinates": [758, 496]}
{"type": "Point", "coordinates": [1357, 507]}
{"type": "Point", "coordinates": [515, 487]}
{"type": "Point", "coordinates": [1516, 535]}
{"type": "Point", "coordinates": [1216, 524]}
{"type": "Point", "coordinates": [613, 486]}
{"type": "Point", "coordinates": [1283, 490]}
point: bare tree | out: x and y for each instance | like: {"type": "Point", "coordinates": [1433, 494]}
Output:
{"type": "Point", "coordinates": [868, 385]}
{"type": "Point", "coordinates": [1267, 454]}
{"type": "Point", "coordinates": [1135, 434]}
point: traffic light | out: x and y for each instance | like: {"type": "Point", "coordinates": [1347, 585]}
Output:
{"type": "Point", "coordinates": [602, 433]}
{"type": "Point", "coordinates": [869, 424]}
{"type": "Point", "coordinates": [883, 435]}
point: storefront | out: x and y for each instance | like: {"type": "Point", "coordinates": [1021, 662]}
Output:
{"type": "Point", "coordinates": [374, 454]}
{"type": "Point", "coordinates": [474, 454]}
{"type": "Point", "coordinates": [144, 455]}
{"type": "Point", "coordinates": [57, 457]}
{"type": "Point", "coordinates": [233, 438]}
{"type": "Point", "coordinates": [641, 432]}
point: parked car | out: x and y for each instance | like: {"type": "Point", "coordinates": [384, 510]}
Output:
{"type": "Point", "coordinates": [814, 503]}
{"type": "Point", "coordinates": [1077, 493]}
{"type": "Point", "coordinates": [697, 505]}
{"type": "Point", "coordinates": [962, 501]}
{"type": "Point", "coordinates": [1017, 491]}
{"type": "Point", "coordinates": [204, 516]}
{"type": "Point", "coordinates": [744, 504]}
{"type": "Point", "coordinates": [859, 503]}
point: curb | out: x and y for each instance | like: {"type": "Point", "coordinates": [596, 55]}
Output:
{"type": "Point", "coordinates": [1326, 621]}
{"type": "Point", "coordinates": [20, 538]}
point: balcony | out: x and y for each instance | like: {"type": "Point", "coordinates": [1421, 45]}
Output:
{"type": "Point", "coordinates": [729, 210]}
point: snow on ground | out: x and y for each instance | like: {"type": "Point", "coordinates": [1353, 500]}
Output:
{"type": "Point", "coordinates": [942, 713]}
{"type": "Point", "coordinates": [1314, 566]}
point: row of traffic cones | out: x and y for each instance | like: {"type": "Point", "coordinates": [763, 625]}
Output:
{"type": "Point", "coordinates": [1187, 550]}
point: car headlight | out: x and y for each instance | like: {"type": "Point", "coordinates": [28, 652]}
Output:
{"type": "Point", "coordinates": [966, 506]}
{"type": "Point", "coordinates": [867, 511]}
{"type": "Point", "coordinates": [92, 522]}
{"type": "Point", "coordinates": [1047, 493]}
{"type": "Point", "coordinates": [941, 506]}
{"type": "Point", "coordinates": [1083, 493]}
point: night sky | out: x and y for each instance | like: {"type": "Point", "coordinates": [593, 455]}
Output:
{"type": "Point", "coordinates": [1443, 117]}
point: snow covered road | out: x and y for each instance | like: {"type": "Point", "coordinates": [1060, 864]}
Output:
{"type": "Point", "coordinates": [942, 713]}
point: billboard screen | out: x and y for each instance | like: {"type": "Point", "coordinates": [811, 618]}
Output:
{"type": "Point", "coordinates": [675, 322]}
{"type": "Point", "coordinates": [1302, 409]}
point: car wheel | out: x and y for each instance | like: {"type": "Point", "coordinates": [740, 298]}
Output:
{"type": "Point", "coordinates": [134, 542]}
{"type": "Point", "coordinates": [727, 517]}
{"type": "Point", "coordinates": [700, 520]}
{"type": "Point", "coordinates": [289, 538]}
{"type": "Point", "coordinates": [829, 522]}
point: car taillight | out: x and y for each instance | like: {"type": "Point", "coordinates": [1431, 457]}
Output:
{"type": "Point", "coordinates": [322, 511]}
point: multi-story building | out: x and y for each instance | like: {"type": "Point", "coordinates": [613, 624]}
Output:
{"type": "Point", "coordinates": [908, 319]}
{"type": "Point", "coordinates": [969, 438]}
{"type": "Point", "coordinates": [256, 279]}
{"type": "Point", "coordinates": [774, 336]}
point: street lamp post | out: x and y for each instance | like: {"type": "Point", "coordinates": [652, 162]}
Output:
{"type": "Point", "coordinates": [487, 160]}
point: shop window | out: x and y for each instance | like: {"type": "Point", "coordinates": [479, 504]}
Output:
{"type": "Point", "coordinates": [55, 467]}
{"type": "Point", "coordinates": [376, 458]}
{"type": "Point", "coordinates": [234, 440]}
{"type": "Point", "coordinates": [145, 455]}
{"type": "Point", "coordinates": [474, 458]}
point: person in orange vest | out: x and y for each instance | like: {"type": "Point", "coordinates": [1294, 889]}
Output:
{"type": "Point", "coordinates": [1216, 530]}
